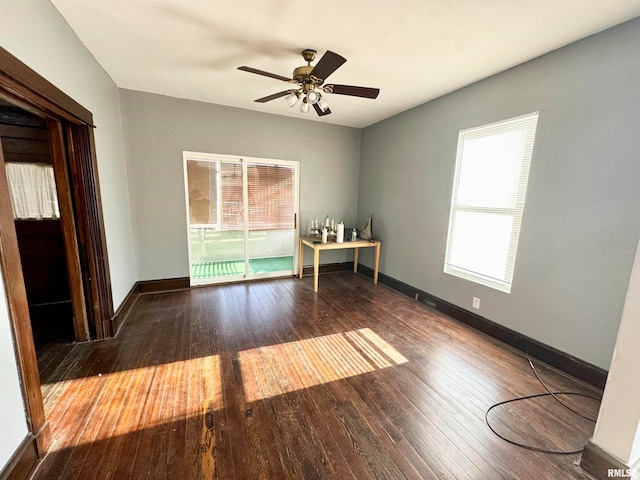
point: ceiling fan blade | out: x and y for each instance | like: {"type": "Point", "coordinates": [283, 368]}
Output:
{"type": "Point", "coordinates": [364, 92]}
{"type": "Point", "coordinates": [320, 112]}
{"type": "Point", "coordinates": [262, 72]}
{"type": "Point", "coordinates": [274, 96]}
{"type": "Point", "coordinates": [328, 64]}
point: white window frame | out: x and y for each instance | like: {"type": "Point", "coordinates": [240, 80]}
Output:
{"type": "Point", "coordinates": [527, 125]}
{"type": "Point", "coordinates": [242, 162]}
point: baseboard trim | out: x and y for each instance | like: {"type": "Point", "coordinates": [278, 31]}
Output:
{"type": "Point", "coordinates": [164, 285]}
{"type": "Point", "coordinates": [328, 268]}
{"type": "Point", "coordinates": [125, 307]}
{"type": "Point", "coordinates": [598, 463]}
{"type": "Point", "coordinates": [23, 461]}
{"type": "Point", "coordinates": [569, 364]}
{"type": "Point", "coordinates": [144, 287]}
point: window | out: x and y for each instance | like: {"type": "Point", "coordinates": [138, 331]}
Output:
{"type": "Point", "coordinates": [489, 188]}
{"type": "Point", "coordinates": [270, 190]}
{"type": "Point", "coordinates": [32, 188]}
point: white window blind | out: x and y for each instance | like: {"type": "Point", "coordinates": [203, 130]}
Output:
{"type": "Point", "coordinates": [489, 189]}
{"type": "Point", "coordinates": [32, 188]}
{"type": "Point", "coordinates": [271, 196]}
{"type": "Point", "coordinates": [216, 195]}
{"type": "Point", "coordinates": [231, 193]}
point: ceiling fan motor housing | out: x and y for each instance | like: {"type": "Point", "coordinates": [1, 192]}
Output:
{"type": "Point", "coordinates": [301, 74]}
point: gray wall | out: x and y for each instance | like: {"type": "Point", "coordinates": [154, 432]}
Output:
{"type": "Point", "coordinates": [37, 35]}
{"type": "Point", "coordinates": [581, 220]}
{"type": "Point", "coordinates": [158, 129]}
{"type": "Point", "coordinates": [13, 423]}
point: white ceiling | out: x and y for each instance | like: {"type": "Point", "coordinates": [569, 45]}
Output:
{"type": "Point", "coordinates": [413, 50]}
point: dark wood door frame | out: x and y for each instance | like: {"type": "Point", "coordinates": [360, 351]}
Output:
{"type": "Point", "coordinates": [84, 175]}
{"type": "Point", "coordinates": [71, 134]}
{"type": "Point", "coordinates": [69, 231]}
{"type": "Point", "coordinates": [19, 313]}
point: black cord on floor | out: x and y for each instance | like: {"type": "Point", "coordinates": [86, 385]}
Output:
{"type": "Point", "coordinates": [548, 394]}
{"type": "Point", "coordinates": [553, 394]}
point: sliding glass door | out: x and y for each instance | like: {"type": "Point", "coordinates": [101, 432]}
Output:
{"type": "Point", "coordinates": [271, 203]}
{"type": "Point", "coordinates": [241, 215]}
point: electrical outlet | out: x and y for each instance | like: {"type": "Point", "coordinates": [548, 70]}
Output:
{"type": "Point", "coordinates": [476, 302]}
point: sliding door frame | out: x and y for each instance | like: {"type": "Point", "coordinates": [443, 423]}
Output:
{"type": "Point", "coordinates": [244, 161]}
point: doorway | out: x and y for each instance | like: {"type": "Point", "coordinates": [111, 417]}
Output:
{"type": "Point", "coordinates": [72, 152]}
{"type": "Point", "coordinates": [29, 166]}
{"type": "Point", "coordinates": [241, 216]}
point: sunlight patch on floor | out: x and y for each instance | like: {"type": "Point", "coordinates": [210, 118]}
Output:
{"type": "Point", "coordinates": [287, 367]}
{"type": "Point", "coordinates": [141, 398]}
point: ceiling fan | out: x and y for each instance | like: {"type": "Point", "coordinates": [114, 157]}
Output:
{"type": "Point", "coordinates": [310, 85]}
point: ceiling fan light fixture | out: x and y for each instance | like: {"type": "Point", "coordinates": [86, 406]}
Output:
{"type": "Point", "coordinates": [322, 104]}
{"type": "Point", "coordinates": [313, 97]}
{"type": "Point", "coordinates": [304, 106]}
{"type": "Point", "coordinates": [292, 98]}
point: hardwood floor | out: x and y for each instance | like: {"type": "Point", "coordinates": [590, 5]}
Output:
{"type": "Point", "coordinates": [269, 380]}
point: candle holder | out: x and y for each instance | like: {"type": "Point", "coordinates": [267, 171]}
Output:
{"type": "Point", "coordinates": [315, 229]}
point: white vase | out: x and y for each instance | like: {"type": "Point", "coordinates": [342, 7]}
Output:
{"type": "Point", "coordinates": [340, 233]}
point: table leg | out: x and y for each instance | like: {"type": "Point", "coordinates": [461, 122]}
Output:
{"type": "Point", "coordinates": [355, 259]}
{"type": "Point", "coordinates": [300, 265]}
{"type": "Point", "coordinates": [376, 264]}
{"type": "Point", "coordinates": [316, 260]}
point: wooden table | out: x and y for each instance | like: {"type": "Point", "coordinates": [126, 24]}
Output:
{"type": "Point", "coordinates": [333, 245]}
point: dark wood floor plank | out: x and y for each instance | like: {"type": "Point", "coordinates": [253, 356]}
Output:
{"type": "Point", "coordinates": [264, 459]}
{"type": "Point", "coordinates": [200, 399]}
{"type": "Point", "coordinates": [168, 422]}
{"type": "Point", "coordinates": [478, 421]}
{"type": "Point", "coordinates": [380, 466]}
{"type": "Point", "coordinates": [529, 380]}
{"type": "Point", "coordinates": [319, 456]}
{"type": "Point", "coordinates": [102, 424]}
{"type": "Point", "coordinates": [51, 355]}
{"type": "Point", "coordinates": [153, 425]}
{"type": "Point", "coordinates": [120, 454]}
{"type": "Point", "coordinates": [78, 363]}
{"type": "Point", "coordinates": [269, 380]}
{"type": "Point", "coordinates": [72, 417]}
{"type": "Point", "coordinates": [216, 312]}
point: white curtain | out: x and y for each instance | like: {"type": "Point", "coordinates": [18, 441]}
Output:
{"type": "Point", "coordinates": [33, 191]}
